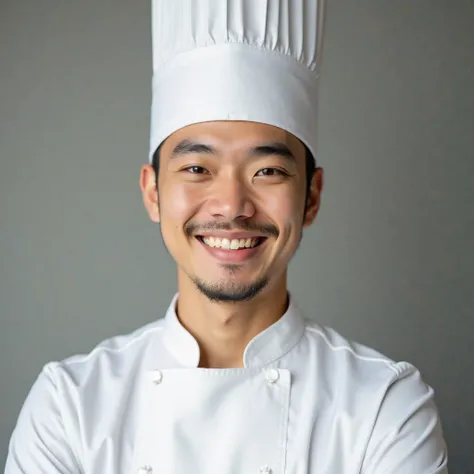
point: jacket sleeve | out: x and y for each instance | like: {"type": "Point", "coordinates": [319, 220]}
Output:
{"type": "Point", "coordinates": [39, 443]}
{"type": "Point", "coordinates": [407, 435]}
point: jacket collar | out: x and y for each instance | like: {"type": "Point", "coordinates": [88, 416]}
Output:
{"type": "Point", "coordinates": [271, 344]}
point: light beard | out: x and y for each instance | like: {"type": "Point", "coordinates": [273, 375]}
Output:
{"type": "Point", "coordinates": [230, 292]}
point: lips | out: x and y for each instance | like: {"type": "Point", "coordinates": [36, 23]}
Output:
{"type": "Point", "coordinates": [231, 244]}
{"type": "Point", "coordinates": [238, 255]}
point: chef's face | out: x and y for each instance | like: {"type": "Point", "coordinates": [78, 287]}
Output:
{"type": "Point", "coordinates": [231, 205]}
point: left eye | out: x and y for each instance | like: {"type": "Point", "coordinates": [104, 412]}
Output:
{"type": "Point", "coordinates": [271, 172]}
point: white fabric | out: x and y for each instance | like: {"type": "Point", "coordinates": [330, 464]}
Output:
{"type": "Point", "coordinates": [252, 60]}
{"type": "Point", "coordinates": [307, 401]}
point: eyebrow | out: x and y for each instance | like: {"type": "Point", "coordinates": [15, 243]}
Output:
{"type": "Point", "coordinates": [186, 147]}
{"type": "Point", "coordinates": [273, 148]}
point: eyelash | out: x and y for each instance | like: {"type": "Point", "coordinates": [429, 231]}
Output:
{"type": "Point", "coordinates": [276, 171]}
{"type": "Point", "coordinates": [195, 166]}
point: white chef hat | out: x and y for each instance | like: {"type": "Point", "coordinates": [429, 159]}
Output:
{"type": "Point", "coordinates": [251, 60]}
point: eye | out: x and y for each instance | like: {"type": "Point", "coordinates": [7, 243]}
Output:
{"type": "Point", "coordinates": [271, 172]}
{"type": "Point", "coordinates": [195, 169]}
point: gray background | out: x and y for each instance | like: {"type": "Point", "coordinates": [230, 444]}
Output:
{"type": "Point", "coordinates": [389, 261]}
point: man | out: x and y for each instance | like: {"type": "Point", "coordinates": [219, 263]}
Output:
{"type": "Point", "coordinates": [233, 379]}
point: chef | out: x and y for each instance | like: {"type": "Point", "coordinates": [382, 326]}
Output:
{"type": "Point", "coordinates": [233, 379]}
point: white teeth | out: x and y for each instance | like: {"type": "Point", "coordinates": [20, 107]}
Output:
{"type": "Point", "coordinates": [227, 244]}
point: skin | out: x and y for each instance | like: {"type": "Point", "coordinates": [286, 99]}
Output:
{"type": "Point", "coordinates": [221, 186]}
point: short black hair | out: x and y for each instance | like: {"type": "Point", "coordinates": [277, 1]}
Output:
{"type": "Point", "coordinates": [310, 168]}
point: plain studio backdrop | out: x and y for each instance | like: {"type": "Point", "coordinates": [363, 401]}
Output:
{"type": "Point", "coordinates": [389, 261]}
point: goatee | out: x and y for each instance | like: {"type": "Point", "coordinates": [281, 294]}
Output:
{"type": "Point", "coordinates": [230, 292]}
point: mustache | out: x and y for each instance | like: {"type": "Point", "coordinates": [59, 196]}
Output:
{"type": "Point", "coordinates": [193, 228]}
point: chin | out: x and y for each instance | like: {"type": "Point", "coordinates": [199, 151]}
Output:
{"type": "Point", "coordinates": [231, 292]}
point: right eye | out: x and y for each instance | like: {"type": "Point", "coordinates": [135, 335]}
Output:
{"type": "Point", "coordinates": [195, 169]}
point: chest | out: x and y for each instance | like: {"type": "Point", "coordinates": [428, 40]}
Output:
{"type": "Point", "coordinates": [233, 421]}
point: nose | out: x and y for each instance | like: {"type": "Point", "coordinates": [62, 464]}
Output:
{"type": "Point", "coordinates": [231, 199]}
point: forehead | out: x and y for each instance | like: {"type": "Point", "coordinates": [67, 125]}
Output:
{"type": "Point", "coordinates": [232, 135]}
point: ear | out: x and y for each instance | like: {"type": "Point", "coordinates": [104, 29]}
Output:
{"type": "Point", "coordinates": [149, 192]}
{"type": "Point", "coordinates": [314, 197]}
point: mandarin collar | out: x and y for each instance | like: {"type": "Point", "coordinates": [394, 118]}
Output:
{"type": "Point", "coordinates": [266, 347]}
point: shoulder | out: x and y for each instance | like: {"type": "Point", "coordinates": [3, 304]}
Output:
{"type": "Point", "coordinates": [69, 394]}
{"type": "Point", "coordinates": [340, 350]}
{"type": "Point", "coordinates": [397, 407]}
{"type": "Point", "coordinates": [362, 371]}
{"type": "Point", "coordinates": [114, 355]}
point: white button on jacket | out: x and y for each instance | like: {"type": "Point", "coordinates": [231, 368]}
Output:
{"type": "Point", "coordinates": [306, 401]}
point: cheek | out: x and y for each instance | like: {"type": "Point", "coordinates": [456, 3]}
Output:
{"type": "Point", "coordinates": [286, 211]}
{"type": "Point", "coordinates": [177, 206]}
{"type": "Point", "coordinates": [285, 208]}
{"type": "Point", "coordinates": [177, 203]}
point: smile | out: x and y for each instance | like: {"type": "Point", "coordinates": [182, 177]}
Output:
{"type": "Point", "coordinates": [231, 244]}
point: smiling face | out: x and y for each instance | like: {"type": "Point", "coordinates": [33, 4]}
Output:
{"type": "Point", "coordinates": [231, 205]}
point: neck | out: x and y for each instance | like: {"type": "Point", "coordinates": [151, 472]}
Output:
{"type": "Point", "coordinates": [223, 330]}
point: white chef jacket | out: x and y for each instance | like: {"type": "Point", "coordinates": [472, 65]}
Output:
{"type": "Point", "coordinates": [306, 401]}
